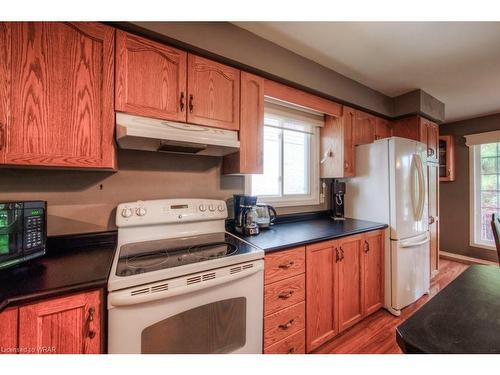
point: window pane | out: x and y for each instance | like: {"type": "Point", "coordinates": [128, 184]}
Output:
{"type": "Point", "coordinates": [489, 150]}
{"type": "Point", "coordinates": [489, 199]}
{"type": "Point", "coordinates": [489, 182]}
{"type": "Point", "coordinates": [269, 182]}
{"type": "Point", "coordinates": [486, 233]}
{"type": "Point", "coordinates": [295, 162]}
{"type": "Point", "coordinates": [488, 165]}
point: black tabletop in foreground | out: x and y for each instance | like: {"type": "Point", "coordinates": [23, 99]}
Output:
{"type": "Point", "coordinates": [464, 318]}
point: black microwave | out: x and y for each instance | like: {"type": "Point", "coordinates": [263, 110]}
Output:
{"type": "Point", "coordinates": [23, 231]}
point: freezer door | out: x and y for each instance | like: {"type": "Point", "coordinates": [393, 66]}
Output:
{"type": "Point", "coordinates": [409, 270]}
{"type": "Point", "coordinates": [407, 165]}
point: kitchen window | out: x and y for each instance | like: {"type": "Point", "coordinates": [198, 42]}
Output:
{"type": "Point", "coordinates": [484, 188]}
{"type": "Point", "coordinates": [291, 157]}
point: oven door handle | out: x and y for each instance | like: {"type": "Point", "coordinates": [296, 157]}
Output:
{"type": "Point", "coordinates": [126, 298]}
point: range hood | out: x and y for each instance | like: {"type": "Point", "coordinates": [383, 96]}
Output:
{"type": "Point", "coordinates": [147, 134]}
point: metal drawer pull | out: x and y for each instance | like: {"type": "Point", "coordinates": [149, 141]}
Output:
{"type": "Point", "coordinates": [286, 325]}
{"type": "Point", "coordinates": [182, 101]}
{"type": "Point", "coordinates": [92, 333]}
{"type": "Point", "coordinates": [337, 257]}
{"type": "Point", "coordinates": [286, 266]}
{"type": "Point", "coordinates": [367, 247]}
{"type": "Point", "coordinates": [291, 350]}
{"type": "Point", "coordinates": [191, 106]}
{"type": "Point", "coordinates": [285, 295]}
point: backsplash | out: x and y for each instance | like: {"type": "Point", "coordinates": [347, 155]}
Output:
{"type": "Point", "coordinates": [84, 201]}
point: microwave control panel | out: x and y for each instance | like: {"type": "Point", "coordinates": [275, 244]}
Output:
{"type": "Point", "coordinates": [34, 231]}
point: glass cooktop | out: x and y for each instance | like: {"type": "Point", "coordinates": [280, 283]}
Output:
{"type": "Point", "coordinates": [140, 257]}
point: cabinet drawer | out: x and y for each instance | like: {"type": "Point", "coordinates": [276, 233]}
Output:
{"type": "Point", "coordinates": [284, 293]}
{"type": "Point", "coordinates": [294, 344]}
{"type": "Point", "coordinates": [283, 324]}
{"type": "Point", "coordinates": [284, 264]}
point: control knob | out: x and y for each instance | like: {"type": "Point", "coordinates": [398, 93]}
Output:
{"type": "Point", "coordinates": [127, 212]}
{"type": "Point", "coordinates": [140, 211]}
{"type": "Point", "coordinates": [202, 207]}
{"type": "Point", "coordinates": [211, 208]}
{"type": "Point", "coordinates": [221, 207]}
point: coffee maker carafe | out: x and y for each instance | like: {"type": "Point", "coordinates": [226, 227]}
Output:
{"type": "Point", "coordinates": [337, 199]}
{"type": "Point", "coordinates": [245, 214]}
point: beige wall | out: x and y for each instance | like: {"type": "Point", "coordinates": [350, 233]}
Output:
{"type": "Point", "coordinates": [84, 201]}
{"type": "Point", "coordinates": [454, 196]}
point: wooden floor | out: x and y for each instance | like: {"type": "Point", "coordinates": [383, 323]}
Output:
{"type": "Point", "coordinates": [377, 333]}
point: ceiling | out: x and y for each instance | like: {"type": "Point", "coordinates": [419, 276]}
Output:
{"type": "Point", "coordinates": [456, 62]}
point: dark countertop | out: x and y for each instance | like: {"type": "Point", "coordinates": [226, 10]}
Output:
{"type": "Point", "coordinates": [463, 318]}
{"type": "Point", "coordinates": [72, 263]}
{"type": "Point", "coordinates": [288, 234]}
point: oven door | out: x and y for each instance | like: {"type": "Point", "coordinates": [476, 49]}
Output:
{"type": "Point", "coordinates": [216, 311]}
{"type": "Point", "coordinates": [11, 233]}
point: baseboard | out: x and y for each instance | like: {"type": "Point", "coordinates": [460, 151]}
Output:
{"type": "Point", "coordinates": [464, 259]}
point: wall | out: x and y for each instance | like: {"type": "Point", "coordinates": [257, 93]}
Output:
{"type": "Point", "coordinates": [454, 196]}
{"type": "Point", "coordinates": [85, 201]}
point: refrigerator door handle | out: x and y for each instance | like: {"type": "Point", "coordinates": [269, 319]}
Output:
{"type": "Point", "coordinates": [412, 244]}
{"type": "Point", "coordinates": [414, 173]}
{"type": "Point", "coordinates": [421, 185]}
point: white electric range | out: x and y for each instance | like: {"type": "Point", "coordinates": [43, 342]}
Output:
{"type": "Point", "coordinates": [181, 284]}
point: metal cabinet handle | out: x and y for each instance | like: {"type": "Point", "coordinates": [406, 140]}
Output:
{"type": "Point", "coordinates": [191, 106]}
{"type": "Point", "coordinates": [182, 101]}
{"type": "Point", "coordinates": [430, 151]}
{"type": "Point", "coordinates": [367, 247]}
{"type": "Point", "coordinates": [432, 220]}
{"type": "Point", "coordinates": [2, 136]}
{"type": "Point", "coordinates": [285, 295]}
{"type": "Point", "coordinates": [286, 266]}
{"type": "Point", "coordinates": [337, 257]}
{"type": "Point", "coordinates": [92, 333]}
{"type": "Point", "coordinates": [341, 254]}
{"type": "Point", "coordinates": [291, 350]}
{"type": "Point", "coordinates": [287, 324]}
{"type": "Point", "coordinates": [448, 173]}
{"type": "Point", "coordinates": [346, 165]}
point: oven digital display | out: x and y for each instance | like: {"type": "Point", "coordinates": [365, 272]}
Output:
{"type": "Point", "coordinates": [36, 212]}
{"type": "Point", "coordinates": [179, 206]}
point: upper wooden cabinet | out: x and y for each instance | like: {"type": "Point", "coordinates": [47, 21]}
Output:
{"type": "Point", "coordinates": [213, 94]}
{"type": "Point", "coordinates": [151, 78]}
{"type": "Point", "coordinates": [446, 158]}
{"type": "Point", "coordinates": [432, 140]}
{"type": "Point", "coordinates": [65, 325]}
{"type": "Point", "coordinates": [422, 130]}
{"type": "Point", "coordinates": [57, 94]}
{"type": "Point", "coordinates": [337, 146]}
{"type": "Point", "coordinates": [364, 128]}
{"type": "Point", "coordinates": [383, 128]}
{"type": "Point", "coordinates": [250, 158]}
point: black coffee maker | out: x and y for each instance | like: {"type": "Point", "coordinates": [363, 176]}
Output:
{"type": "Point", "coordinates": [245, 215]}
{"type": "Point", "coordinates": [337, 199]}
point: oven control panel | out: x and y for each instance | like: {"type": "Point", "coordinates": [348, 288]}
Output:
{"type": "Point", "coordinates": [164, 211]}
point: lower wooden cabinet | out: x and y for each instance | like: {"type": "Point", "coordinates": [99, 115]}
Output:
{"type": "Point", "coordinates": [8, 331]}
{"type": "Point", "coordinates": [293, 344]}
{"type": "Point", "coordinates": [63, 325]}
{"type": "Point", "coordinates": [344, 283]}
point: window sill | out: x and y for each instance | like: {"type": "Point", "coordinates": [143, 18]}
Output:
{"type": "Point", "coordinates": [289, 203]}
{"type": "Point", "coordinates": [483, 246]}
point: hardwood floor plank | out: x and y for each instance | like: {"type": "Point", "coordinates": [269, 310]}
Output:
{"type": "Point", "coordinates": [376, 334]}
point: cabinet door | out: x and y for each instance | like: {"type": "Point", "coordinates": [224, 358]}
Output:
{"type": "Point", "coordinates": [214, 94]}
{"type": "Point", "coordinates": [8, 331]}
{"type": "Point", "coordinates": [364, 128]}
{"type": "Point", "coordinates": [350, 282]}
{"type": "Point", "coordinates": [408, 127]}
{"type": "Point", "coordinates": [373, 270]}
{"type": "Point", "coordinates": [150, 78]}
{"type": "Point", "coordinates": [250, 158]}
{"type": "Point", "coordinates": [349, 117]}
{"type": "Point", "coordinates": [66, 325]}
{"type": "Point", "coordinates": [433, 196]}
{"type": "Point", "coordinates": [5, 68]}
{"type": "Point", "coordinates": [321, 298]}
{"type": "Point", "coordinates": [446, 158]}
{"type": "Point", "coordinates": [383, 128]}
{"type": "Point", "coordinates": [61, 95]}
{"type": "Point", "coordinates": [432, 142]}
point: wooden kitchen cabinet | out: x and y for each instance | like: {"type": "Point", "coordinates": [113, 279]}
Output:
{"type": "Point", "coordinates": [432, 140]}
{"type": "Point", "coordinates": [213, 94]}
{"type": "Point", "coordinates": [337, 146]}
{"type": "Point", "coordinates": [446, 158]}
{"type": "Point", "coordinates": [373, 271]}
{"type": "Point", "coordinates": [57, 94]}
{"type": "Point", "coordinates": [321, 294]}
{"type": "Point", "coordinates": [383, 128]}
{"type": "Point", "coordinates": [350, 281]}
{"type": "Point", "coordinates": [364, 128]}
{"type": "Point", "coordinates": [433, 197]}
{"type": "Point", "coordinates": [250, 158]}
{"type": "Point", "coordinates": [419, 129]}
{"type": "Point", "coordinates": [8, 331]}
{"type": "Point", "coordinates": [64, 325]}
{"type": "Point", "coordinates": [151, 78]}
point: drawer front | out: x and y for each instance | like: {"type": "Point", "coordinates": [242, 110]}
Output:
{"type": "Point", "coordinates": [284, 293]}
{"type": "Point", "coordinates": [294, 344]}
{"type": "Point", "coordinates": [283, 264]}
{"type": "Point", "coordinates": [283, 324]}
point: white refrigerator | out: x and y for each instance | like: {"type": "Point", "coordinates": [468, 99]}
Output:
{"type": "Point", "coordinates": [390, 187]}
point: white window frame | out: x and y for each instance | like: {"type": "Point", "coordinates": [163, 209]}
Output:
{"type": "Point", "coordinates": [475, 200]}
{"type": "Point", "coordinates": [314, 180]}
